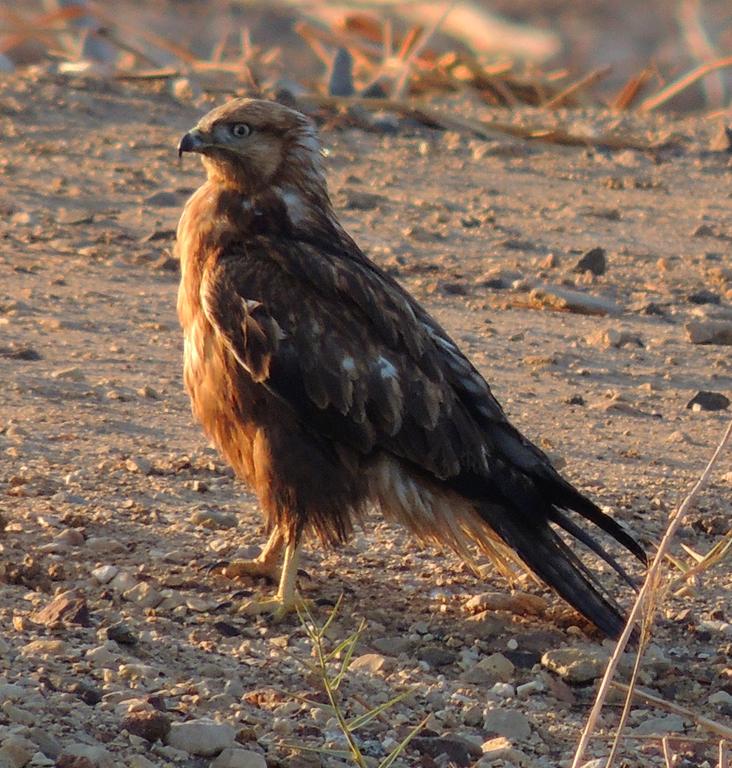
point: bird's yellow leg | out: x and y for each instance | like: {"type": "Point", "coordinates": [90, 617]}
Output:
{"type": "Point", "coordinates": [266, 564]}
{"type": "Point", "coordinates": [286, 600]}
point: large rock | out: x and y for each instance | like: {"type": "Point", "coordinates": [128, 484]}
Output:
{"type": "Point", "coordinates": [507, 722]}
{"type": "Point", "coordinates": [201, 737]}
{"type": "Point", "coordinates": [577, 664]}
{"type": "Point", "coordinates": [709, 332]}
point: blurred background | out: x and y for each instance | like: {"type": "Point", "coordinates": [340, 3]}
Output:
{"type": "Point", "coordinates": [506, 52]}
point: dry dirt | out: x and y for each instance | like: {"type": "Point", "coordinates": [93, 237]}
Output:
{"type": "Point", "coordinates": [107, 488]}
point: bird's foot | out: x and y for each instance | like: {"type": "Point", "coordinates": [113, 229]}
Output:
{"type": "Point", "coordinates": [258, 567]}
{"type": "Point", "coordinates": [276, 607]}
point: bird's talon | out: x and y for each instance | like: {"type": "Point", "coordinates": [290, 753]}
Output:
{"type": "Point", "coordinates": [275, 607]}
{"type": "Point", "coordinates": [237, 569]}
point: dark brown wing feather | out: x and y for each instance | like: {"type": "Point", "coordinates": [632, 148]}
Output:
{"type": "Point", "coordinates": [360, 362]}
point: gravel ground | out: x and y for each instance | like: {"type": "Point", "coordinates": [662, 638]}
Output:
{"type": "Point", "coordinates": [121, 646]}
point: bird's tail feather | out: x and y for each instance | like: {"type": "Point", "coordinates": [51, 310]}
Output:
{"type": "Point", "coordinates": [549, 557]}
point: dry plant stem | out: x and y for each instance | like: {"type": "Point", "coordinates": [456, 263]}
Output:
{"type": "Point", "coordinates": [684, 82]}
{"type": "Point", "coordinates": [480, 128]}
{"type": "Point", "coordinates": [38, 27]}
{"type": "Point", "coordinates": [401, 84]}
{"type": "Point", "coordinates": [584, 82]}
{"type": "Point", "coordinates": [719, 729]}
{"type": "Point", "coordinates": [668, 755]}
{"type": "Point", "coordinates": [629, 92]}
{"type": "Point", "coordinates": [642, 598]}
{"type": "Point", "coordinates": [720, 550]}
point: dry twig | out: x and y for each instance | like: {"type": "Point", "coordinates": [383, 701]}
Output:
{"type": "Point", "coordinates": [673, 89]}
{"type": "Point", "coordinates": [584, 82]}
{"type": "Point", "coordinates": [718, 729]}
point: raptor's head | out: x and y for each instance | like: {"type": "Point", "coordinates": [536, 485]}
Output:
{"type": "Point", "coordinates": [254, 145]}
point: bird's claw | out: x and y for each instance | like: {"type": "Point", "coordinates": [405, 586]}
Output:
{"type": "Point", "coordinates": [237, 569]}
{"type": "Point", "coordinates": [275, 607]}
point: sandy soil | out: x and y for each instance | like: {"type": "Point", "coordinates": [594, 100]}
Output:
{"type": "Point", "coordinates": [109, 490]}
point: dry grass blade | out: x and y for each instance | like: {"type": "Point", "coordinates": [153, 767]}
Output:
{"type": "Point", "coordinates": [668, 754]}
{"type": "Point", "coordinates": [632, 88]}
{"type": "Point", "coordinates": [38, 27]}
{"type": "Point", "coordinates": [344, 650]}
{"type": "Point", "coordinates": [673, 89]}
{"type": "Point", "coordinates": [419, 46]}
{"type": "Point", "coordinates": [642, 600]}
{"type": "Point", "coordinates": [719, 729]}
{"type": "Point", "coordinates": [112, 20]}
{"type": "Point", "coordinates": [571, 90]}
{"type": "Point", "coordinates": [715, 555]}
{"type": "Point", "coordinates": [484, 129]}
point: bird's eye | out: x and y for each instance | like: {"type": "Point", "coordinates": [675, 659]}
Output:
{"type": "Point", "coordinates": [240, 130]}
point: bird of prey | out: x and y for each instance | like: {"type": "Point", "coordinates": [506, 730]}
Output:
{"type": "Point", "coordinates": [331, 391]}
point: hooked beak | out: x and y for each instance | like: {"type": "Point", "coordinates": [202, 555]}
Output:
{"type": "Point", "coordinates": [191, 142]}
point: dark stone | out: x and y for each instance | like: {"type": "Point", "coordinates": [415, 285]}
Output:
{"type": "Point", "coordinates": [87, 693]}
{"type": "Point", "coordinates": [340, 82]}
{"type": "Point", "coordinates": [226, 629]}
{"type": "Point", "coordinates": [436, 656]}
{"type": "Point", "coordinates": [460, 751]}
{"type": "Point", "coordinates": [703, 297]}
{"type": "Point", "coordinates": [708, 401]}
{"type": "Point", "coordinates": [121, 634]}
{"type": "Point", "coordinates": [19, 352]}
{"type": "Point", "coordinates": [593, 261]}
{"type": "Point", "coordinates": [149, 724]}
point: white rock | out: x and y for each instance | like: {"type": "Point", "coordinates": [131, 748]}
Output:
{"type": "Point", "coordinates": [239, 758]}
{"type": "Point", "coordinates": [102, 655]}
{"type": "Point", "coordinates": [502, 749]}
{"type": "Point", "coordinates": [145, 672]}
{"type": "Point", "coordinates": [145, 595]}
{"type": "Point", "coordinates": [574, 301]}
{"type": "Point", "coordinates": [526, 689]}
{"type": "Point", "coordinates": [105, 573]}
{"type": "Point", "coordinates": [39, 760]}
{"type": "Point", "coordinates": [122, 581]}
{"type": "Point", "coordinates": [504, 690]}
{"type": "Point", "coordinates": [201, 737]}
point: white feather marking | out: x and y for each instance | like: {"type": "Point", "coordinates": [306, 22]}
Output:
{"type": "Point", "coordinates": [386, 368]}
{"type": "Point", "coordinates": [296, 208]}
{"type": "Point", "coordinates": [348, 364]}
{"type": "Point", "coordinates": [436, 515]}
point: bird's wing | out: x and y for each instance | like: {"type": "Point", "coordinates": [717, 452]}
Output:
{"type": "Point", "coordinates": [351, 353]}
{"type": "Point", "coordinates": [360, 362]}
